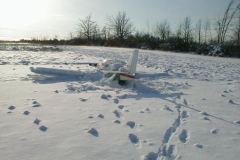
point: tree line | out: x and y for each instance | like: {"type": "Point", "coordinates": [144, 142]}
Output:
{"type": "Point", "coordinates": [204, 37]}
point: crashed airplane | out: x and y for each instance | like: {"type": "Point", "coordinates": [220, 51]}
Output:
{"type": "Point", "coordinates": [108, 67]}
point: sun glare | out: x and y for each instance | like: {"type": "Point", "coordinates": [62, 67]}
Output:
{"type": "Point", "coordinates": [16, 14]}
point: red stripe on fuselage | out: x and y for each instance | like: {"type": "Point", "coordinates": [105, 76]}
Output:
{"type": "Point", "coordinates": [127, 75]}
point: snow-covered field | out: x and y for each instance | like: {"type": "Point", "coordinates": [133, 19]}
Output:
{"type": "Point", "coordinates": [180, 106]}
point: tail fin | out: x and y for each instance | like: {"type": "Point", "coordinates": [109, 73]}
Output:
{"type": "Point", "coordinates": [132, 62]}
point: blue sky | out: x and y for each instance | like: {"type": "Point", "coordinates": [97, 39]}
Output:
{"type": "Point", "coordinates": [47, 18]}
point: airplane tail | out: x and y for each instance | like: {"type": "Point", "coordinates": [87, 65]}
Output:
{"type": "Point", "coordinates": [132, 62]}
{"type": "Point", "coordinates": [131, 67]}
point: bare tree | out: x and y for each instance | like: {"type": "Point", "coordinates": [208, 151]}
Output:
{"type": "Point", "coordinates": [236, 30]}
{"type": "Point", "coordinates": [95, 32]}
{"type": "Point", "coordinates": [198, 31]}
{"type": "Point", "coordinates": [222, 24]}
{"type": "Point", "coordinates": [148, 27]}
{"type": "Point", "coordinates": [104, 33]}
{"type": "Point", "coordinates": [87, 27]}
{"type": "Point", "coordinates": [71, 35]}
{"type": "Point", "coordinates": [121, 25]}
{"type": "Point", "coordinates": [207, 31]}
{"type": "Point", "coordinates": [186, 29]}
{"type": "Point", "coordinates": [163, 30]}
{"type": "Point", "coordinates": [178, 32]}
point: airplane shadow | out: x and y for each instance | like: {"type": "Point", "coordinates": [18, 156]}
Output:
{"type": "Point", "coordinates": [211, 115]}
{"type": "Point", "coordinates": [144, 91]}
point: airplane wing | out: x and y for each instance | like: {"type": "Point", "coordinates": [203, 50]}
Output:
{"type": "Point", "coordinates": [90, 63]}
{"type": "Point", "coordinates": [79, 63]}
{"type": "Point", "coordinates": [43, 70]}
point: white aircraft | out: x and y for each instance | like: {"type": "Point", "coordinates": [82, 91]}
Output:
{"type": "Point", "coordinates": [108, 67]}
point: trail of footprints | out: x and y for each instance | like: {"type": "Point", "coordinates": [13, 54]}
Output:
{"type": "Point", "coordinates": [167, 150]}
{"type": "Point", "coordinates": [36, 120]}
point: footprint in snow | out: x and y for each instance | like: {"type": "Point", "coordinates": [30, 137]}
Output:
{"type": "Point", "coordinates": [225, 91]}
{"type": "Point", "coordinates": [133, 138]}
{"type": "Point", "coordinates": [117, 113]}
{"type": "Point", "coordinates": [184, 114]}
{"type": "Point", "coordinates": [26, 112]}
{"type": "Point", "coordinates": [169, 152]}
{"type": "Point", "coordinates": [43, 128]}
{"type": "Point", "coordinates": [83, 99]}
{"type": "Point", "coordinates": [100, 116]}
{"type": "Point", "coordinates": [93, 131]}
{"type": "Point", "coordinates": [184, 136]}
{"type": "Point", "coordinates": [131, 124]}
{"type": "Point", "coordinates": [11, 108]}
{"type": "Point", "coordinates": [168, 134]}
{"type": "Point", "coordinates": [230, 101]}
{"type": "Point", "coordinates": [36, 104]}
{"type": "Point", "coordinates": [117, 121]}
{"type": "Point", "coordinates": [116, 101]}
{"type": "Point", "coordinates": [121, 106]}
{"type": "Point", "coordinates": [214, 131]}
{"type": "Point", "coordinates": [150, 156]}
{"type": "Point", "coordinates": [147, 109]}
{"type": "Point", "coordinates": [37, 121]}
{"type": "Point", "coordinates": [103, 96]}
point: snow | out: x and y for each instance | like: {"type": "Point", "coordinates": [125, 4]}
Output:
{"type": "Point", "coordinates": [181, 106]}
